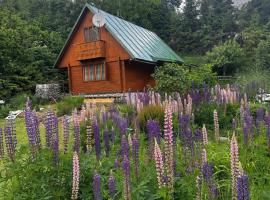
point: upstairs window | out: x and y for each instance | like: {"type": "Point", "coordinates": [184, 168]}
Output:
{"type": "Point", "coordinates": [95, 72]}
{"type": "Point", "coordinates": [91, 34]}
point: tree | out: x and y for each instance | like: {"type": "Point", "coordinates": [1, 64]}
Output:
{"type": "Point", "coordinates": [226, 58]}
{"type": "Point", "coordinates": [262, 55]}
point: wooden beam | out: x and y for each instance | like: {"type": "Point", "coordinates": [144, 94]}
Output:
{"type": "Point", "coordinates": [69, 79]}
{"type": "Point", "coordinates": [123, 75]}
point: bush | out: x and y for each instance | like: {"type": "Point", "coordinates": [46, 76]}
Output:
{"type": "Point", "coordinates": [204, 115]}
{"type": "Point", "coordinates": [69, 103]}
{"type": "Point", "coordinates": [151, 112]}
{"type": "Point", "coordinates": [171, 77]}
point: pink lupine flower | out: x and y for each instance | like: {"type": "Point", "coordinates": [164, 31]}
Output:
{"type": "Point", "coordinates": [76, 176]}
{"type": "Point", "coordinates": [203, 157]}
{"type": "Point", "coordinates": [234, 165]}
{"type": "Point", "coordinates": [204, 134]}
{"type": "Point", "coordinates": [168, 139]}
{"type": "Point", "coordinates": [216, 126]}
{"type": "Point", "coordinates": [159, 164]}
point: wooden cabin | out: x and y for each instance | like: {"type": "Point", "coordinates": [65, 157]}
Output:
{"type": "Point", "coordinates": [114, 58]}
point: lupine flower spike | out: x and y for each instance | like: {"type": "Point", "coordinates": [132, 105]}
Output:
{"type": "Point", "coordinates": [216, 125]}
{"type": "Point", "coordinates": [168, 139]}
{"type": "Point", "coordinates": [204, 134]}
{"type": "Point", "coordinates": [159, 164]}
{"type": "Point", "coordinates": [1, 144]}
{"type": "Point", "coordinates": [97, 187]}
{"type": "Point", "coordinates": [76, 176]}
{"type": "Point", "coordinates": [111, 185]}
{"type": "Point", "coordinates": [126, 171]}
{"type": "Point", "coordinates": [234, 165]}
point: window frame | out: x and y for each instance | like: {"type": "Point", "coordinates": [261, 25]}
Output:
{"type": "Point", "coordinates": [86, 72]}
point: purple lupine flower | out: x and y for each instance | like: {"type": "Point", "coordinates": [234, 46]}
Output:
{"type": "Point", "coordinates": [56, 151]}
{"type": "Point", "coordinates": [242, 188]}
{"type": "Point", "coordinates": [259, 119]}
{"type": "Point", "coordinates": [123, 126]}
{"type": "Point", "coordinates": [126, 172]}
{"type": "Point", "coordinates": [76, 126]}
{"type": "Point", "coordinates": [97, 187]}
{"type": "Point", "coordinates": [213, 191]}
{"type": "Point", "coordinates": [49, 127]}
{"type": "Point", "coordinates": [31, 131]}
{"type": "Point", "coordinates": [97, 139]}
{"type": "Point", "coordinates": [207, 171]}
{"type": "Point", "coordinates": [246, 133]}
{"type": "Point", "coordinates": [113, 135]}
{"type": "Point", "coordinates": [116, 163]}
{"type": "Point", "coordinates": [1, 144]}
{"type": "Point", "coordinates": [198, 135]}
{"type": "Point", "coordinates": [124, 146]}
{"type": "Point", "coordinates": [36, 128]}
{"type": "Point", "coordinates": [65, 123]}
{"type": "Point", "coordinates": [267, 122]}
{"type": "Point", "coordinates": [55, 140]}
{"type": "Point", "coordinates": [111, 185]}
{"type": "Point", "coordinates": [106, 137]}
{"type": "Point", "coordinates": [135, 152]}
{"type": "Point", "coordinates": [153, 130]}
{"type": "Point", "coordinates": [9, 143]}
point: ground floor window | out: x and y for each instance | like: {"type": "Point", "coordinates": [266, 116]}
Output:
{"type": "Point", "coordinates": [94, 72]}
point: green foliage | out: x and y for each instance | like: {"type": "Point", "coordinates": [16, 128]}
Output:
{"type": "Point", "coordinates": [262, 55]}
{"type": "Point", "coordinates": [68, 104]}
{"type": "Point", "coordinates": [203, 74]}
{"type": "Point", "coordinates": [171, 77]}
{"type": "Point", "coordinates": [227, 58]}
{"type": "Point", "coordinates": [204, 115]}
{"type": "Point", "coordinates": [151, 112]}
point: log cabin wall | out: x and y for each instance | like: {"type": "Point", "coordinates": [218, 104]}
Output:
{"type": "Point", "coordinates": [114, 55]}
{"type": "Point", "coordinates": [138, 75]}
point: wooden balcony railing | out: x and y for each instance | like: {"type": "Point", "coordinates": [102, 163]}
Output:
{"type": "Point", "coordinates": [89, 50]}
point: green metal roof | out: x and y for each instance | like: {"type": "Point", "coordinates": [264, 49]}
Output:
{"type": "Point", "coordinates": [140, 43]}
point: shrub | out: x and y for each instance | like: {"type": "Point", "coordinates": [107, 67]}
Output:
{"type": "Point", "coordinates": [204, 115]}
{"type": "Point", "coordinates": [171, 77]}
{"type": "Point", "coordinates": [69, 103]}
{"type": "Point", "coordinates": [151, 112]}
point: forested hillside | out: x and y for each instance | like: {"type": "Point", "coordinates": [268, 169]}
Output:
{"type": "Point", "coordinates": [33, 31]}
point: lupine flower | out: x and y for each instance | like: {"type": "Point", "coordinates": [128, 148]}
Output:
{"type": "Point", "coordinates": [168, 140]}
{"type": "Point", "coordinates": [31, 131]}
{"type": "Point", "coordinates": [9, 143]}
{"type": "Point", "coordinates": [97, 140]}
{"type": "Point", "coordinates": [65, 125]}
{"type": "Point", "coordinates": [76, 125]}
{"type": "Point", "coordinates": [159, 164]}
{"type": "Point", "coordinates": [213, 191]}
{"type": "Point", "coordinates": [199, 188]}
{"type": "Point", "coordinates": [153, 131]}
{"type": "Point", "coordinates": [124, 146]}
{"type": "Point", "coordinates": [126, 171]}
{"type": "Point", "coordinates": [207, 172]}
{"type": "Point", "coordinates": [116, 163]}
{"type": "Point", "coordinates": [36, 128]}
{"type": "Point", "coordinates": [97, 187]}
{"type": "Point", "coordinates": [216, 125]}
{"type": "Point", "coordinates": [1, 144]}
{"type": "Point", "coordinates": [56, 151]}
{"type": "Point", "coordinates": [267, 122]}
{"type": "Point", "coordinates": [76, 176]}
{"type": "Point", "coordinates": [242, 187]}
{"type": "Point", "coordinates": [106, 141]}
{"type": "Point", "coordinates": [135, 153]}
{"type": "Point", "coordinates": [234, 165]}
{"type": "Point", "coordinates": [205, 136]}
{"type": "Point", "coordinates": [123, 126]}
{"type": "Point", "coordinates": [259, 119]}
{"type": "Point", "coordinates": [49, 127]}
{"type": "Point", "coordinates": [203, 157]}
{"type": "Point", "coordinates": [111, 185]}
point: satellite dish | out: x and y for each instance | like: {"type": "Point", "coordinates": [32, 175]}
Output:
{"type": "Point", "coordinates": [98, 20]}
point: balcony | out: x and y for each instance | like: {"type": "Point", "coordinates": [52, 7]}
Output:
{"type": "Point", "coordinates": [89, 50]}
